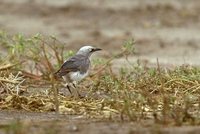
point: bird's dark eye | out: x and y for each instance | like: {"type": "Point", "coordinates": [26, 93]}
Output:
{"type": "Point", "coordinates": [91, 49]}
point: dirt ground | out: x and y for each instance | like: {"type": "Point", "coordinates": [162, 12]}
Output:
{"type": "Point", "coordinates": [163, 29]}
{"type": "Point", "coordinates": [35, 123]}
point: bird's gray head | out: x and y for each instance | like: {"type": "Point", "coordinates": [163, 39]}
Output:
{"type": "Point", "coordinates": [87, 50]}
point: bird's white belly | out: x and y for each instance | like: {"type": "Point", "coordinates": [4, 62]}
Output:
{"type": "Point", "coordinates": [77, 76]}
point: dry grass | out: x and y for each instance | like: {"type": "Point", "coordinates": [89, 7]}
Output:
{"type": "Point", "coordinates": [168, 96]}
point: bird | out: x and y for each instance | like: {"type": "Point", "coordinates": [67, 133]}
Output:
{"type": "Point", "coordinates": [76, 67]}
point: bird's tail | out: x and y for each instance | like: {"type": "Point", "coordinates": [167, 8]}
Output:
{"type": "Point", "coordinates": [57, 74]}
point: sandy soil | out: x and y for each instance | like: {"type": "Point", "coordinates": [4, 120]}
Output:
{"type": "Point", "coordinates": [164, 29]}
{"type": "Point", "coordinates": [35, 123]}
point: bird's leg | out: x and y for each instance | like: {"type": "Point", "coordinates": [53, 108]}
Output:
{"type": "Point", "coordinates": [69, 89]}
{"type": "Point", "coordinates": [67, 84]}
{"type": "Point", "coordinates": [74, 84]}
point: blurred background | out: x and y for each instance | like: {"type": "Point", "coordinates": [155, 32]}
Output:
{"type": "Point", "coordinates": [165, 29]}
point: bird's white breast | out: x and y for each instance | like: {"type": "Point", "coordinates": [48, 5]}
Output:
{"type": "Point", "coordinates": [77, 76]}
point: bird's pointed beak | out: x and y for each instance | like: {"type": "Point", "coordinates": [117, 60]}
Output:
{"type": "Point", "coordinates": [96, 49]}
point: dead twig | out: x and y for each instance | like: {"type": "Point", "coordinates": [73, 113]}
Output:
{"type": "Point", "coordinates": [9, 81]}
{"type": "Point", "coordinates": [7, 66]}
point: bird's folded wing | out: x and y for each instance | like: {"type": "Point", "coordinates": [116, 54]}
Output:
{"type": "Point", "coordinates": [71, 65]}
